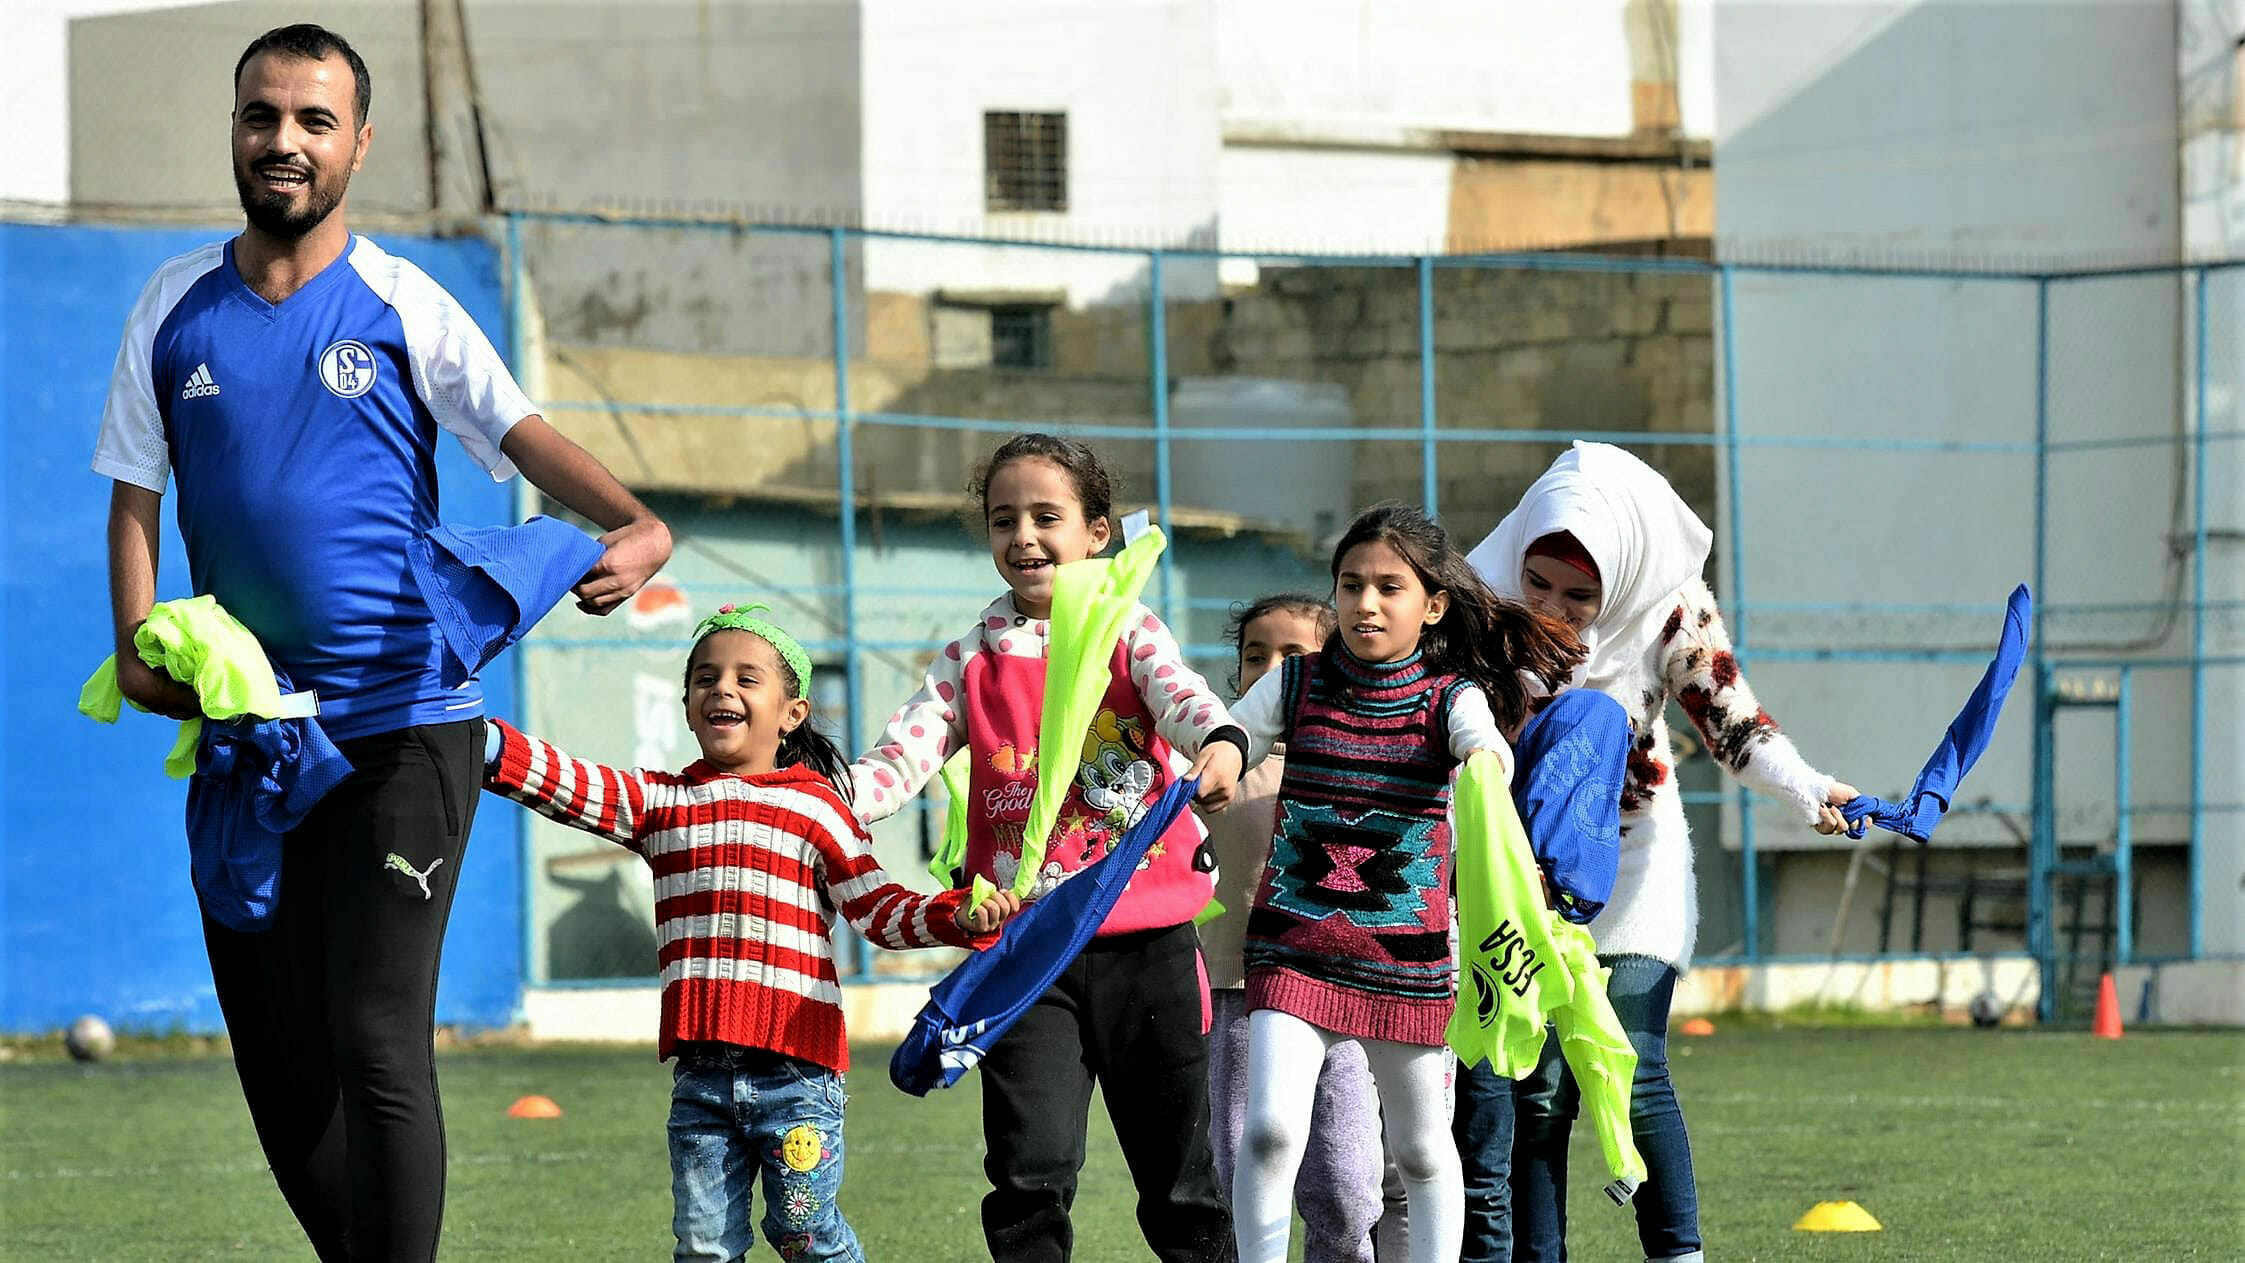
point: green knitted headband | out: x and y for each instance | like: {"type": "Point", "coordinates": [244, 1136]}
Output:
{"type": "Point", "coordinates": [736, 618]}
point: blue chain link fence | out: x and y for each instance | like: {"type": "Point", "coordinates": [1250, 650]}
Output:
{"type": "Point", "coordinates": [1882, 453]}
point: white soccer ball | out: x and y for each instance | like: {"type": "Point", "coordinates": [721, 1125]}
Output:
{"type": "Point", "coordinates": [89, 1039]}
{"type": "Point", "coordinates": [1986, 1010]}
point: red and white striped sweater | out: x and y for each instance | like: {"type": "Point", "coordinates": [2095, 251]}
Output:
{"type": "Point", "coordinates": [748, 873]}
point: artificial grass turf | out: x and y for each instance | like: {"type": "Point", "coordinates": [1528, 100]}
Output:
{"type": "Point", "coordinates": [2013, 1144]}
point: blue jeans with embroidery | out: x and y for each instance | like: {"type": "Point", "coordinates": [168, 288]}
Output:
{"type": "Point", "coordinates": [739, 1115]}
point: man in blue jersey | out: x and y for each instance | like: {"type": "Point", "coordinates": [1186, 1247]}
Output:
{"type": "Point", "coordinates": [294, 380]}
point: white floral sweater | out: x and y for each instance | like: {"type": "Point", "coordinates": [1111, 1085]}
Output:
{"type": "Point", "coordinates": [1655, 906]}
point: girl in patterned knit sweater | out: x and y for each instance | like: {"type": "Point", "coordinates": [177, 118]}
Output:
{"type": "Point", "coordinates": [1603, 542]}
{"type": "Point", "coordinates": [1349, 937]}
{"type": "Point", "coordinates": [1130, 1014]}
{"type": "Point", "coordinates": [753, 848]}
{"type": "Point", "coordinates": [1338, 1188]}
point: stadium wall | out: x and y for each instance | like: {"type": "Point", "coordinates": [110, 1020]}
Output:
{"type": "Point", "coordinates": [96, 915]}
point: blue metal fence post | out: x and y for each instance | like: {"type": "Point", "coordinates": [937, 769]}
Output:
{"type": "Point", "coordinates": [1750, 890]}
{"type": "Point", "coordinates": [2042, 842]}
{"type": "Point", "coordinates": [518, 357]}
{"type": "Point", "coordinates": [846, 456]}
{"type": "Point", "coordinates": [2197, 859]}
{"type": "Point", "coordinates": [2124, 830]}
{"type": "Point", "coordinates": [1157, 360]}
{"type": "Point", "coordinates": [1428, 485]}
{"type": "Point", "coordinates": [846, 493]}
{"type": "Point", "coordinates": [518, 342]}
{"type": "Point", "coordinates": [2041, 939]}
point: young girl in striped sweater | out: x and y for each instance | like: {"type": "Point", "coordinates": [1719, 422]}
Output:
{"type": "Point", "coordinates": [1349, 938]}
{"type": "Point", "coordinates": [1131, 1013]}
{"type": "Point", "coordinates": [753, 847]}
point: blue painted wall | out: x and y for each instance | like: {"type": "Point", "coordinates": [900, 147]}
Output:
{"type": "Point", "coordinates": [96, 914]}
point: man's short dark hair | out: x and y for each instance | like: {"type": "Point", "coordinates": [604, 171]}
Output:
{"type": "Point", "coordinates": [313, 43]}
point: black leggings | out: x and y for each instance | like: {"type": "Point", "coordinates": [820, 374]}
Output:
{"type": "Point", "coordinates": [332, 1010]}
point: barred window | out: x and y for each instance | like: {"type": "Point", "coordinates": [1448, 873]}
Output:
{"type": "Point", "coordinates": [1021, 337]}
{"type": "Point", "coordinates": [1025, 161]}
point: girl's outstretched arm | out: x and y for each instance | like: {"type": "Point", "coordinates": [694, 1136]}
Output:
{"type": "Point", "coordinates": [1186, 710]}
{"type": "Point", "coordinates": [1701, 671]}
{"type": "Point", "coordinates": [887, 914]}
{"type": "Point", "coordinates": [918, 738]}
{"type": "Point", "coordinates": [581, 795]}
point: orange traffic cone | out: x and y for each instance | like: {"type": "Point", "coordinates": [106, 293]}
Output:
{"type": "Point", "coordinates": [2107, 1023]}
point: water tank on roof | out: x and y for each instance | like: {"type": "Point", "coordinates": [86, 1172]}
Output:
{"type": "Point", "coordinates": [1304, 484]}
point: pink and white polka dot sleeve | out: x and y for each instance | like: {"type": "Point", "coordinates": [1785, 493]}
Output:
{"type": "Point", "coordinates": [1184, 707]}
{"type": "Point", "coordinates": [918, 738]}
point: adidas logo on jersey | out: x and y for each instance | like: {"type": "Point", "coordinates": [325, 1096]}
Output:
{"type": "Point", "coordinates": [199, 384]}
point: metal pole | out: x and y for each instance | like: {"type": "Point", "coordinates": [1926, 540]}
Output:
{"type": "Point", "coordinates": [1750, 875]}
{"type": "Point", "coordinates": [2041, 940]}
{"type": "Point", "coordinates": [2198, 634]}
{"type": "Point", "coordinates": [846, 494]}
{"type": "Point", "coordinates": [846, 455]}
{"type": "Point", "coordinates": [2042, 456]}
{"type": "Point", "coordinates": [1428, 488]}
{"type": "Point", "coordinates": [518, 354]}
{"type": "Point", "coordinates": [517, 344]}
{"type": "Point", "coordinates": [1157, 360]}
{"type": "Point", "coordinates": [2123, 857]}
{"type": "Point", "coordinates": [2042, 849]}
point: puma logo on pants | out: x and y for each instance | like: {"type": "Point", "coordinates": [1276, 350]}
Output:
{"type": "Point", "coordinates": [421, 878]}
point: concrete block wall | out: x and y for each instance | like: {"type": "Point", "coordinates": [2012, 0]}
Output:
{"type": "Point", "coordinates": [1515, 349]}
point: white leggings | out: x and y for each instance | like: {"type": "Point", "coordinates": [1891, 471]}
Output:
{"type": "Point", "coordinates": [1283, 1056]}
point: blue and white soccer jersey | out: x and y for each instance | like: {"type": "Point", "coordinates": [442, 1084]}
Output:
{"type": "Point", "coordinates": [304, 439]}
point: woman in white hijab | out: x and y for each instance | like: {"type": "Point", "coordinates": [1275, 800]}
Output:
{"type": "Point", "coordinates": [1602, 542]}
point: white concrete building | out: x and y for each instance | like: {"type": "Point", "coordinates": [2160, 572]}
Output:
{"type": "Point", "coordinates": [1256, 125]}
{"type": "Point", "coordinates": [1377, 107]}
{"type": "Point", "coordinates": [1998, 136]}
{"type": "Point", "coordinates": [1273, 126]}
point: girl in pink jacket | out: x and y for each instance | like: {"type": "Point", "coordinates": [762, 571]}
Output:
{"type": "Point", "coordinates": [1131, 1013]}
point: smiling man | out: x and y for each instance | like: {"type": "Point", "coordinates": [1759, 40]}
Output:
{"type": "Point", "coordinates": [294, 380]}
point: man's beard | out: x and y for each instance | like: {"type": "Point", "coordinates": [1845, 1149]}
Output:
{"type": "Point", "coordinates": [272, 213]}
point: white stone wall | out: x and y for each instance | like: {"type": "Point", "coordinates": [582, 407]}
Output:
{"type": "Point", "coordinates": [1980, 135]}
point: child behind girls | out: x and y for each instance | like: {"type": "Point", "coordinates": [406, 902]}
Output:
{"type": "Point", "coordinates": [1338, 1189]}
{"type": "Point", "coordinates": [752, 846]}
{"type": "Point", "coordinates": [1129, 1014]}
{"type": "Point", "coordinates": [1349, 938]}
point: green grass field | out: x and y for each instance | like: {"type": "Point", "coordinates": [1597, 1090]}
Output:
{"type": "Point", "coordinates": [1972, 1145]}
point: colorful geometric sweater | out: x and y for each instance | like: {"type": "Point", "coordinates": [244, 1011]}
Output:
{"type": "Point", "coordinates": [1241, 840]}
{"type": "Point", "coordinates": [1350, 929]}
{"type": "Point", "coordinates": [1655, 907]}
{"type": "Point", "coordinates": [748, 873]}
